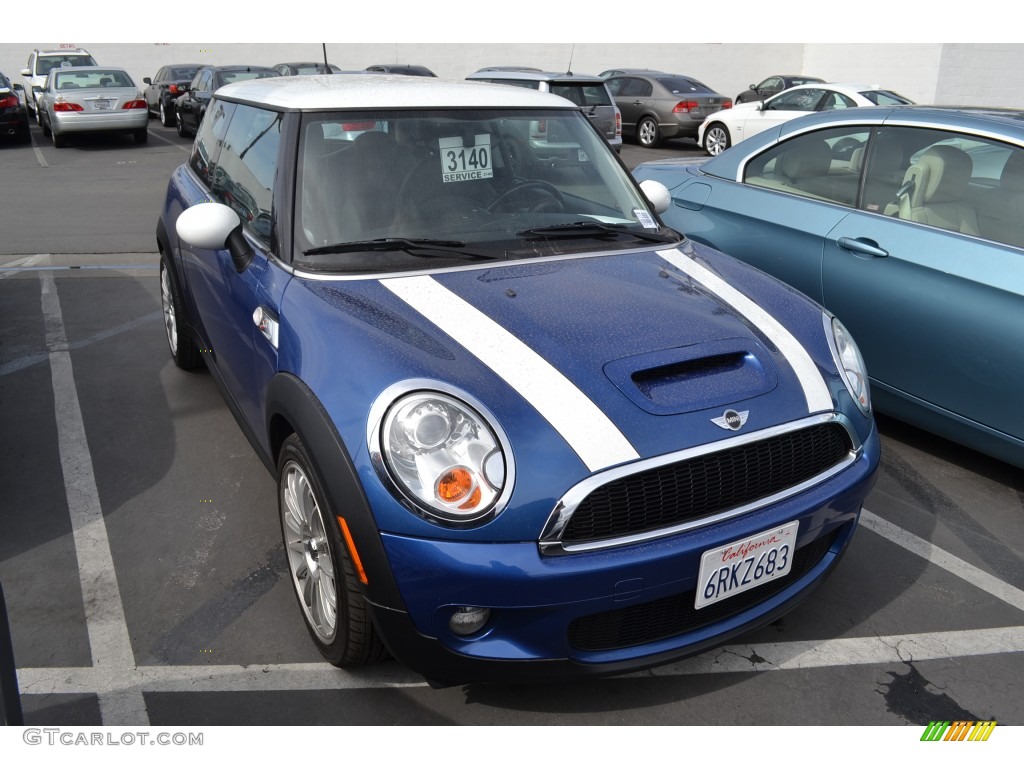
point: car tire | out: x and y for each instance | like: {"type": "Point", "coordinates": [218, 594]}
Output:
{"type": "Point", "coordinates": [46, 128]}
{"type": "Point", "coordinates": [717, 139]}
{"type": "Point", "coordinates": [141, 135]}
{"type": "Point", "coordinates": [183, 347]}
{"type": "Point", "coordinates": [647, 133]}
{"type": "Point", "coordinates": [59, 140]}
{"type": "Point", "coordinates": [167, 119]}
{"type": "Point", "coordinates": [182, 131]}
{"type": "Point", "coordinates": [321, 569]}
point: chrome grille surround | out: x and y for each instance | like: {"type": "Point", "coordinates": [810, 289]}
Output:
{"type": "Point", "coordinates": [550, 542]}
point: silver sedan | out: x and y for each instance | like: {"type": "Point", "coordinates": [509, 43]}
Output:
{"type": "Point", "coordinates": [92, 99]}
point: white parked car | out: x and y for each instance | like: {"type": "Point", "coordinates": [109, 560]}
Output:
{"type": "Point", "coordinates": [721, 130]}
{"type": "Point", "coordinates": [92, 99]}
{"type": "Point", "coordinates": [40, 62]}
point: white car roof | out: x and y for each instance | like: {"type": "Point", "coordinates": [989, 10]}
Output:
{"type": "Point", "coordinates": [378, 91]}
{"type": "Point", "coordinates": [851, 87]}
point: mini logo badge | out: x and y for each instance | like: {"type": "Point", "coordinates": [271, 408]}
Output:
{"type": "Point", "coordinates": [732, 420]}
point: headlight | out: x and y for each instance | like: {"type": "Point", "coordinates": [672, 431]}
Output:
{"type": "Point", "coordinates": [442, 455]}
{"type": "Point", "coordinates": [850, 363]}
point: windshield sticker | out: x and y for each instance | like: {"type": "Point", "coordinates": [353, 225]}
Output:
{"type": "Point", "coordinates": [644, 218]}
{"type": "Point", "coordinates": [462, 163]}
{"type": "Point", "coordinates": [582, 156]}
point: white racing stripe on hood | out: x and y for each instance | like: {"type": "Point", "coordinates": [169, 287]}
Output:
{"type": "Point", "coordinates": [584, 426]}
{"type": "Point", "coordinates": [816, 391]}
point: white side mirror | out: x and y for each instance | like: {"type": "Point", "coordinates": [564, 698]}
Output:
{"type": "Point", "coordinates": [657, 193]}
{"type": "Point", "coordinates": [207, 225]}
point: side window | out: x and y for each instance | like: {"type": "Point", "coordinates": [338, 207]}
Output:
{"type": "Point", "coordinates": [615, 85]}
{"type": "Point", "coordinates": [804, 100]}
{"type": "Point", "coordinates": [959, 182]}
{"type": "Point", "coordinates": [820, 165]}
{"type": "Point", "coordinates": [247, 166]}
{"type": "Point", "coordinates": [836, 100]}
{"type": "Point", "coordinates": [771, 84]}
{"type": "Point", "coordinates": [638, 87]}
{"type": "Point", "coordinates": [209, 139]}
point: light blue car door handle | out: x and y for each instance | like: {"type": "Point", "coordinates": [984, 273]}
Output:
{"type": "Point", "coordinates": [866, 247]}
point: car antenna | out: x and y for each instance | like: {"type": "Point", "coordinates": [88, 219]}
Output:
{"type": "Point", "coordinates": [327, 67]}
{"type": "Point", "coordinates": [571, 52]}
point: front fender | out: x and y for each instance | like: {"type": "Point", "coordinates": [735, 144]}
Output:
{"type": "Point", "coordinates": [293, 407]}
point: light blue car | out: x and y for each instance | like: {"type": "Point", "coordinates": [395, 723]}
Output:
{"type": "Point", "coordinates": [907, 223]}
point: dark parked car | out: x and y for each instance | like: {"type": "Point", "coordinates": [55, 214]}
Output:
{"type": "Point", "coordinates": [164, 88]}
{"type": "Point", "coordinates": [772, 85]}
{"type": "Point", "coordinates": [307, 68]}
{"type": "Point", "coordinates": [519, 429]}
{"type": "Point", "coordinates": [658, 106]}
{"type": "Point", "coordinates": [416, 70]}
{"type": "Point", "coordinates": [13, 112]}
{"type": "Point", "coordinates": [191, 106]}
{"type": "Point", "coordinates": [908, 223]}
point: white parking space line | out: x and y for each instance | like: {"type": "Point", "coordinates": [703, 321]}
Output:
{"type": "Point", "coordinates": [187, 148]}
{"type": "Point", "coordinates": [922, 548]}
{"type": "Point", "coordinates": [39, 153]}
{"type": "Point", "coordinates": [848, 651]}
{"type": "Point", "coordinates": [27, 361]}
{"type": "Point", "coordinates": [770, 657]}
{"type": "Point", "coordinates": [17, 265]}
{"type": "Point", "coordinates": [109, 642]}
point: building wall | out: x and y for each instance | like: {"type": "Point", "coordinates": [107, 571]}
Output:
{"type": "Point", "coordinates": [910, 69]}
{"type": "Point", "coordinates": [983, 75]}
{"type": "Point", "coordinates": [951, 73]}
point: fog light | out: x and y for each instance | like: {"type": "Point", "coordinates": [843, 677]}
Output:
{"type": "Point", "coordinates": [468, 620]}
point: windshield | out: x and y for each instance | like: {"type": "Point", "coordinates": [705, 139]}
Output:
{"type": "Point", "coordinates": [92, 78]}
{"type": "Point", "coordinates": [382, 191]}
{"type": "Point", "coordinates": [46, 63]}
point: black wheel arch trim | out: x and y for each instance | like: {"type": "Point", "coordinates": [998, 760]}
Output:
{"type": "Point", "coordinates": [291, 406]}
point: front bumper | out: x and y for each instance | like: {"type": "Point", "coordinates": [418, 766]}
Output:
{"type": "Point", "coordinates": [603, 612]}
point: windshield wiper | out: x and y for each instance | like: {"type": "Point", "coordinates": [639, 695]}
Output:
{"type": "Point", "coordinates": [597, 229]}
{"type": "Point", "coordinates": [455, 247]}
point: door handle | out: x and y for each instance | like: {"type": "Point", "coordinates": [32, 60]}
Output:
{"type": "Point", "coordinates": [866, 247]}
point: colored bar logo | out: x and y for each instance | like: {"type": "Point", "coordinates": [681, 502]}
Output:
{"type": "Point", "coordinates": [959, 730]}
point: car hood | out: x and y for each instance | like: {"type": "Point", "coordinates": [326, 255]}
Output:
{"type": "Point", "coordinates": [587, 363]}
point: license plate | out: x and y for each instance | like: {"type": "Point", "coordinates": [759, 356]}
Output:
{"type": "Point", "coordinates": [745, 564]}
{"type": "Point", "coordinates": [101, 104]}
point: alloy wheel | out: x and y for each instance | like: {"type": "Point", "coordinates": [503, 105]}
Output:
{"type": "Point", "coordinates": [309, 553]}
{"type": "Point", "coordinates": [167, 301]}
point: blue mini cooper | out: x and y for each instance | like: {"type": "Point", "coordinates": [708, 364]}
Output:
{"type": "Point", "coordinates": [520, 429]}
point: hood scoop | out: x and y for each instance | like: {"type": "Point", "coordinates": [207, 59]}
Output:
{"type": "Point", "coordinates": [710, 374]}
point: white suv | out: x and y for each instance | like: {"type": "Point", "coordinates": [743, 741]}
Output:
{"type": "Point", "coordinates": [33, 76]}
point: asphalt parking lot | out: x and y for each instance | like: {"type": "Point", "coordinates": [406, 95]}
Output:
{"type": "Point", "coordinates": [146, 582]}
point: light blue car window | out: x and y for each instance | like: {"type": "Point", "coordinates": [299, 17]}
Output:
{"type": "Point", "coordinates": [980, 191]}
{"type": "Point", "coordinates": [823, 165]}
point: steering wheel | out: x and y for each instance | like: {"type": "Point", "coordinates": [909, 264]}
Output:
{"type": "Point", "coordinates": [551, 196]}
